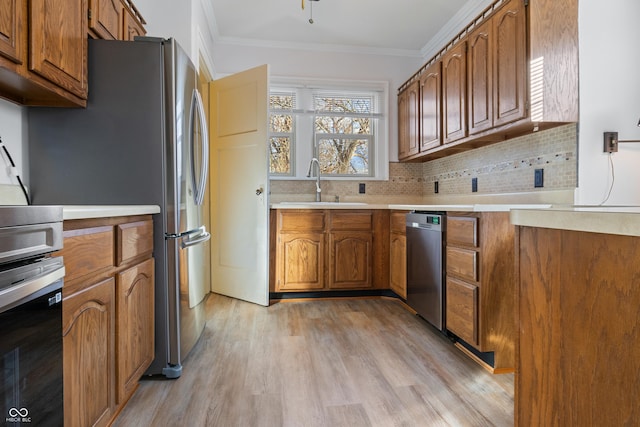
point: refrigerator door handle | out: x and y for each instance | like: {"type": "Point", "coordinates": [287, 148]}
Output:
{"type": "Point", "coordinates": [192, 238]}
{"type": "Point", "coordinates": [200, 185]}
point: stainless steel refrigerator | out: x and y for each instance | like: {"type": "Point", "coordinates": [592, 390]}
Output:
{"type": "Point", "coordinates": [141, 140]}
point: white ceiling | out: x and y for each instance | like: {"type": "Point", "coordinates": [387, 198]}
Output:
{"type": "Point", "coordinates": [391, 26]}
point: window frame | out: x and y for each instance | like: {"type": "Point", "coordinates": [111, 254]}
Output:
{"type": "Point", "coordinates": [304, 123]}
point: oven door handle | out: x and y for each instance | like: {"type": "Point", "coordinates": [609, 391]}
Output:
{"type": "Point", "coordinates": [30, 289]}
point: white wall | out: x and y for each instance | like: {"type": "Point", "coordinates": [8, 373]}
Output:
{"type": "Point", "coordinates": [13, 130]}
{"type": "Point", "coordinates": [283, 62]}
{"type": "Point", "coordinates": [168, 18]}
{"type": "Point", "coordinates": [609, 100]}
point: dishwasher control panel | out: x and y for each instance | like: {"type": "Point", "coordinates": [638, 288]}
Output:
{"type": "Point", "coordinates": [425, 220]}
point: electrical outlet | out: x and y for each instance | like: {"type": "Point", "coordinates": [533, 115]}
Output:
{"type": "Point", "coordinates": [474, 185]}
{"type": "Point", "coordinates": [435, 187]}
{"type": "Point", "coordinates": [361, 188]}
{"type": "Point", "coordinates": [611, 142]}
{"type": "Point", "coordinates": [538, 178]}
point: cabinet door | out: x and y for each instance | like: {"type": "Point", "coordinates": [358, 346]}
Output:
{"type": "Point", "coordinates": [134, 325]}
{"type": "Point", "coordinates": [398, 264]}
{"type": "Point", "coordinates": [509, 27]}
{"type": "Point", "coordinates": [11, 20]}
{"type": "Point", "coordinates": [132, 26]}
{"type": "Point", "coordinates": [462, 310]}
{"type": "Point", "coordinates": [408, 121]}
{"type": "Point", "coordinates": [430, 107]}
{"type": "Point", "coordinates": [58, 43]}
{"type": "Point", "coordinates": [105, 18]}
{"type": "Point", "coordinates": [351, 259]}
{"type": "Point", "coordinates": [300, 261]}
{"type": "Point", "coordinates": [480, 78]}
{"type": "Point", "coordinates": [88, 356]}
{"type": "Point", "coordinates": [454, 93]}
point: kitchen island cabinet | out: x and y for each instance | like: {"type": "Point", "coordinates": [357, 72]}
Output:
{"type": "Point", "coordinates": [579, 324]}
{"type": "Point", "coordinates": [108, 319]}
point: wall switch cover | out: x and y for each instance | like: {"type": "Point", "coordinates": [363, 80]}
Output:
{"type": "Point", "coordinates": [361, 188]}
{"type": "Point", "coordinates": [474, 185]}
{"type": "Point", "coordinates": [538, 178]}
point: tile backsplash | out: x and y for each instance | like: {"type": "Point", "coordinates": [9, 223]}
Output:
{"type": "Point", "coordinates": [505, 167]}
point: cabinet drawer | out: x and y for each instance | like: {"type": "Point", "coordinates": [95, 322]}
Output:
{"type": "Point", "coordinates": [87, 250]}
{"type": "Point", "coordinates": [398, 222]}
{"type": "Point", "coordinates": [312, 220]}
{"type": "Point", "coordinates": [351, 220]}
{"type": "Point", "coordinates": [462, 231]}
{"type": "Point", "coordinates": [134, 239]}
{"type": "Point", "coordinates": [462, 310]}
{"type": "Point", "coordinates": [463, 263]}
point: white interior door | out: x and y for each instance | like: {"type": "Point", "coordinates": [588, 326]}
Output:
{"type": "Point", "coordinates": [239, 185]}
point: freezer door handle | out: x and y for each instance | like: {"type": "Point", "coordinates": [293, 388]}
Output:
{"type": "Point", "coordinates": [195, 237]}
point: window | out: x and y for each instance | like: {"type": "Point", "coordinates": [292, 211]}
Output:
{"type": "Point", "coordinates": [281, 128]}
{"type": "Point", "coordinates": [343, 128]}
{"type": "Point", "coordinates": [344, 132]}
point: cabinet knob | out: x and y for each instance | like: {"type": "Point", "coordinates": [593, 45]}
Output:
{"type": "Point", "coordinates": [259, 191]}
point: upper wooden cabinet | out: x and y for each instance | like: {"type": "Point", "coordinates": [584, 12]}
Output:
{"type": "Point", "coordinates": [496, 72]}
{"type": "Point", "coordinates": [11, 33]}
{"type": "Point", "coordinates": [431, 107]}
{"type": "Point", "coordinates": [43, 46]}
{"type": "Point", "coordinates": [512, 71]}
{"type": "Point", "coordinates": [509, 63]}
{"type": "Point", "coordinates": [454, 93]}
{"type": "Point", "coordinates": [44, 52]}
{"type": "Point", "coordinates": [408, 121]}
{"type": "Point", "coordinates": [115, 20]}
{"type": "Point", "coordinates": [106, 18]}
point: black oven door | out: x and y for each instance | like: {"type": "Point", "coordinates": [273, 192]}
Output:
{"type": "Point", "coordinates": [31, 346]}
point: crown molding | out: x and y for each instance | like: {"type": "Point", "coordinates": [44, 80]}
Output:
{"type": "Point", "coordinates": [456, 24]}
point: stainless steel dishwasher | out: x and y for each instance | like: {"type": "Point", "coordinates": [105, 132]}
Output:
{"type": "Point", "coordinates": [425, 265]}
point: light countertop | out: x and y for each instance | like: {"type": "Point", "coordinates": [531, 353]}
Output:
{"type": "Point", "coordinates": [622, 220]}
{"type": "Point", "coordinates": [409, 207]}
{"type": "Point", "coordinates": [86, 211]}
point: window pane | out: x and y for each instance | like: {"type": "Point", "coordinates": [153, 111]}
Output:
{"type": "Point", "coordinates": [344, 156]}
{"type": "Point", "coordinates": [280, 123]}
{"type": "Point", "coordinates": [281, 101]}
{"type": "Point", "coordinates": [343, 104]}
{"type": "Point", "coordinates": [351, 125]}
{"type": "Point", "coordinates": [280, 159]}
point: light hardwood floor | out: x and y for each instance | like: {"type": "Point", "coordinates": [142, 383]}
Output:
{"type": "Point", "coordinates": [340, 362]}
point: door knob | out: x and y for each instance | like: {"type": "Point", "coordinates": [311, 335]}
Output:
{"type": "Point", "coordinates": [258, 191]}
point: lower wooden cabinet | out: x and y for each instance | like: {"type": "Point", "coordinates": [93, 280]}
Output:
{"type": "Point", "coordinates": [301, 261]}
{"type": "Point", "coordinates": [398, 253]}
{"type": "Point", "coordinates": [108, 315]}
{"type": "Point", "coordinates": [325, 249]}
{"type": "Point", "coordinates": [88, 339]}
{"type": "Point", "coordinates": [350, 260]}
{"type": "Point", "coordinates": [480, 284]}
{"type": "Point", "coordinates": [135, 330]}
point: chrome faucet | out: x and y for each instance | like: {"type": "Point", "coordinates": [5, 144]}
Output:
{"type": "Point", "coordinates": [318, 190]}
